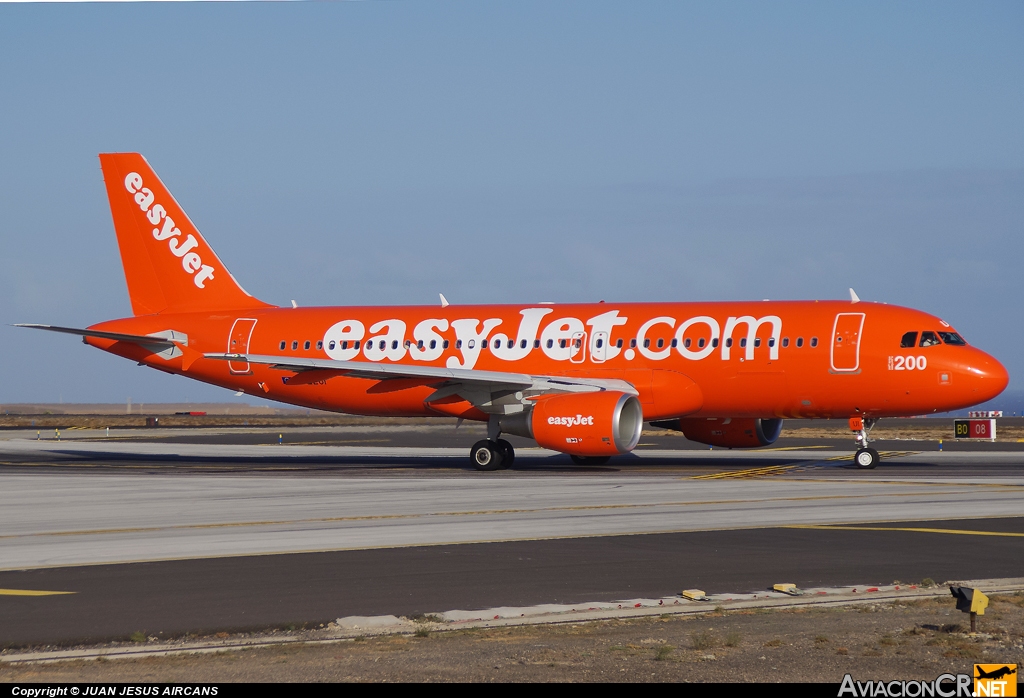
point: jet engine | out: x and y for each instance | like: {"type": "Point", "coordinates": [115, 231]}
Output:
{"type": "Point", "coordinates": [727, 432]}
{"type": "Point", "coordinates": [602, 423]}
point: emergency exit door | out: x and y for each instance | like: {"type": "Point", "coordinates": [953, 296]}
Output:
{"type": "Point", "coordinates": [238, 343]}
{"type": "Point", "coordinates": [846, 337]}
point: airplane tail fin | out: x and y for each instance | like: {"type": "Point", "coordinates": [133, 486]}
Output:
{"type": "Point", "coordinates": [168, 265]}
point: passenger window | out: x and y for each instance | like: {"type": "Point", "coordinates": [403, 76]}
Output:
{"type": "Point", "coordinates": [675, 342]}
{"type": "Point", "coordinates": [578, 343]}
{"type": "Point", "coordinates": [344, 345]}
{"type": "Point", "coordinates": [356, 345]}
{"type": "Point", "coordinates": [814, 341]}
{"type": "Point", "coordinates": [799, 341]}
{"type": "Point", "coordinates": [909, 340]}
{"type": "Point", "coordinates": [743, 342]}
{"type": "Point", "coordinates": [306, 345]}
{"type": "Point", "coordinates": [331, 345]}
{"type": "Point", "coordinates": [928, 339]}
{"type": "Point", "coordinates": [444, 344]}
{"type": "Point", "coordinates": [295, 344]}
{"type": "Point", "coordinates": [319, 344]}
{"type": "Point", "coordinates": [433, 344]}
{"type": "Point", "coordinates": [647, 343]}
{"type": "Point", "coordinates": [561, 343]}
{"type": "Point", "coordinates": [472, 343]}
{"type": "Point", "coordinates": [771, 342]}
{"type": "Point", "coordinates": [419, 344]}
{"type": "Point", "coordinates": [458, 343]}
{"type": "Point", "coordinates": [757, 341]}
{"type": "Point", "coordinates": [687, 343]}
{"type": "Point", "coordinates": [632, 344]}
{"type": "Point", "coordinates": [282, 345]}
{"type": "Point", "coordinates": [408, 343]}
{"type": "Point", "coordinates": [536, 344]}
{"type": "Point", "coordinates": [618, 343]}
{"type": "Point", "coordinates": [714, 342]}
{"type": "Point", "coordinates": [785, 341]}
{"type": "Point", "coordinates": [661, 343]}
{"type": "Point", "coordinates": [551, 343]}
{"type": "Point", "coordinates": [600, 343]}
{"type": "Point", "coordinates": [700, 343]}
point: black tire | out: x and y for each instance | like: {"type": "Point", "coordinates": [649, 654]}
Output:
{"type": "Point", "coordinates": [866, 458]}
{"type": "Point", "coordinates": [590, 460]}
{"type": "Point", "coordinates": [485, 456]}
{"type": "Point", "coordinates": [508, 454]}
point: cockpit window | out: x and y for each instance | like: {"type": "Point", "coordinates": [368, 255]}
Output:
{"type": "Point", "coordinates": [928, 339]}
{"type": "Point", "coordinates": [909, 340]}
{"type": "Point", "coordinates": [952, 338]}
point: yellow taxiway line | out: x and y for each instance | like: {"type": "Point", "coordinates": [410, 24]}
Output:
{"type": "Point", "coordinates": [32, 592]}
{"type": "Point", "coordinates": [953, 531]}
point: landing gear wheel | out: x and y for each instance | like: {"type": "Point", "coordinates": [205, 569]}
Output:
{"type": "Point", "coordinates": [866, 458]}
{"type": "Point", "coordinates": [508, 454]}
{"type": "Point", "coordinates": [590, 460]}
{"type": "Point", "coordinates": [486, 455]}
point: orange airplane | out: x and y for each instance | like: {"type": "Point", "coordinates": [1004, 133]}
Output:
{"type": "Point", "coordinates": [577, 378]}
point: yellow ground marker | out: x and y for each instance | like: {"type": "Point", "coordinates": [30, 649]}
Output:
{"type": "Point", "coordinates": [32, 592]}
{"type": "Point", "coordinates": [953, 531]}
{"type": "Point", "coordinates": [751, 472]}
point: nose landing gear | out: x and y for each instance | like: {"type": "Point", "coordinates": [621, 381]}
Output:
{"type": "Point", "coordinates": [866, 458]}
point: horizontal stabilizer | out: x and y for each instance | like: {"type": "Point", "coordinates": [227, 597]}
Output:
{"type": "Point", "coordinates": [116, 336]}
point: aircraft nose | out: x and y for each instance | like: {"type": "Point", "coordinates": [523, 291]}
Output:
{"type": "Point", "coordinates": [988, 377]}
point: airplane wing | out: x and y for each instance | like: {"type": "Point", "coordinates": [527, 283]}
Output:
{"type": "Point", "coordinates": [490, 391]}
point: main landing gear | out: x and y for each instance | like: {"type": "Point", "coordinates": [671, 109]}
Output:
{"type": "Point", "coordinates": [492, 455]}
{"type": "Point", "coordinates": [866, 458]}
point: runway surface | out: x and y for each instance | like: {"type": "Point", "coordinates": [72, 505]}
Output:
{"type": "Point", "coordinates": [179, 537]}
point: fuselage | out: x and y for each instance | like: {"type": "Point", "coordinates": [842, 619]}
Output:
{"type": "Point", "coordinates": [792, 359]}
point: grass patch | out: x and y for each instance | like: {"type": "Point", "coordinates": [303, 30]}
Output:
{"type": "Point", "coordinates": [732, 639]}
{"type": "Point", "coordinates": [664, 652]}
{"type": "Point", "coordinates": [422, 632]}
{"type": "Point", "coordinates": [138, 636]}
{"type": "Point", "coordinates": [774, 643]}
{"type": "Point", "coordinates": [820, 640]}
{"type": "Point", "coordinates": [887, 640]}
{"type": "Point", "coordinates": [703, 640]}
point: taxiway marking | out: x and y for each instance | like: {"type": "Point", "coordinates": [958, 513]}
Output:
{"type": "Point", "coordinates": [32, 592]}
{"type": "Point", "coordinates": [953, 531]}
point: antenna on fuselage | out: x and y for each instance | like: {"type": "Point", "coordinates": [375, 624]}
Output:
{"type": "Point", "coordinates": [444, 301]}
{"type": "Point", "coordinates": [854, 298]}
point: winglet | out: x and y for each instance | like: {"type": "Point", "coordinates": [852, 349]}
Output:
{"type": "Point", "coordinates": [444, 301]}
{"type": "Point", "coordinates": [854, 298]}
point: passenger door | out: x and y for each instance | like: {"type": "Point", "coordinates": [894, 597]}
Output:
{"type": "Point", "coordinates": [846, 337]}
{"type": "Point", "coordinates": [238, 343]}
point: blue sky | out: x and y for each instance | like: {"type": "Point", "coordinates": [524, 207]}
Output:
{"type": "Point", "coordinates": [380, 152]}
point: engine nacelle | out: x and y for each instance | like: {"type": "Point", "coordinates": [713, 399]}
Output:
{"type": "Point", "coordinates": [602, 423]}
{"type": "Point", "coordinates": [727, 432]}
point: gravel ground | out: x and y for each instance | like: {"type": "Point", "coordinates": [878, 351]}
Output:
{"type": "Point", "coordinates": [908, 640]}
